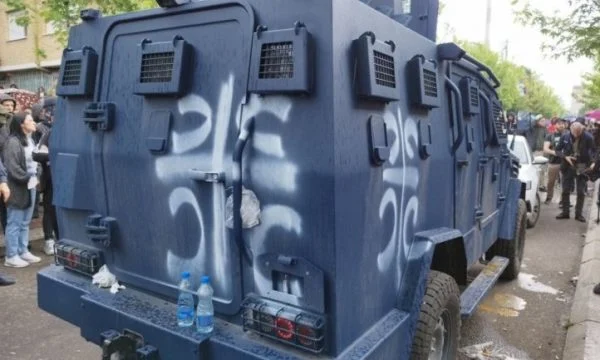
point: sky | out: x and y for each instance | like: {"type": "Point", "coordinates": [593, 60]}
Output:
{"type": "Point", "coordinates": [466, 18]}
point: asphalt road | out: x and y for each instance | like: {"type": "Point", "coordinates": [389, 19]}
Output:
{"type": "Point", "coordinates": [525, 319]}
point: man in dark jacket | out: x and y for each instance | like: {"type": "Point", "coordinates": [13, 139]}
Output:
{"type": "Point", "coordinates": [576, 149]}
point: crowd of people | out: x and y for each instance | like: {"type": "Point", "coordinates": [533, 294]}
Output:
{"type": "Point", "coordinates": [572, 149]}
{"type": "Point", "coordinates": [24, 176]}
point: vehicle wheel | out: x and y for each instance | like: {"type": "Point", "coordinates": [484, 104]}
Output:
{"type": "Point", "coordinates": [534, 216]}
{"type": "Point", "coordinates": [438, 329]}
{"type": "Point", "coordinates": [512, 249]}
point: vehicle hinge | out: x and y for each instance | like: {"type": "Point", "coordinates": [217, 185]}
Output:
{"type": "Point", "coordinates": [101, 229]}
{"type": "Point", "coordinates": [99, 115]}
{"type": "Point", "coordinates": [129, 346]}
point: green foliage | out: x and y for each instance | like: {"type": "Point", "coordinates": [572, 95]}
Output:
{"type": "Point", "coordinates": [572, 35]}
{"type": "Point", "coordinates": [538, 97]}
{"type": "Point", "coordinates": [590, 95]}
{"type": "Point", "coordinates": [65, 13]}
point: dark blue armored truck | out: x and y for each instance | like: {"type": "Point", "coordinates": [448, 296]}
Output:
{"type": "Point", "coordinates": [330, 167]}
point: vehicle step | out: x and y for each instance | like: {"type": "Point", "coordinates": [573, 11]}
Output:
{"type": "Point", "coordinates": [482, 284]}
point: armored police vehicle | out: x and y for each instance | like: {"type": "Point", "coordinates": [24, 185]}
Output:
{"type": "Point", "coordinates": [330, 167]}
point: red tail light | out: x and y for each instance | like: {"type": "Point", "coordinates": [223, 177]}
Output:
{"type": "Point", "coordinates": [284, 323]}
{"type": "Point", "coordinates": [77, 258]}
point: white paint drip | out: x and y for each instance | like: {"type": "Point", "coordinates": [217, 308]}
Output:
{"type": "Point", "coordinates": [385, 258]}
{"type": "Point", "coordinates": [192, 139]}
{"type": "Point", "coordinates": [269, 144]}
{"type": "Point", "coordinates": [399, 174]}
{"type": "Point", "coordinates": [175, 264]}
{"type": "Point", "coordinates": [272, 172]}
{"type": "Point", "coordinates": [279, 176]}
{"type": "Point", "coordinates": [528, 282]}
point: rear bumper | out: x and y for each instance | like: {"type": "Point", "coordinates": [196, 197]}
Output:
{"type": "Point", "coordinates": [73, 298]}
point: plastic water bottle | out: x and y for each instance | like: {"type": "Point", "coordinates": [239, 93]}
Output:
{"type": "Point", "coordinates": [205, 312]}
{"type": "Point", "coordinates": [185, 302]}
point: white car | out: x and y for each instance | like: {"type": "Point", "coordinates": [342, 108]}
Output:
{"type": "Point", "coordinates": [529, 174]}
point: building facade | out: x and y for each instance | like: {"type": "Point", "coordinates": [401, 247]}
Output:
{"type": "Point", "coordinates": [21, 62]}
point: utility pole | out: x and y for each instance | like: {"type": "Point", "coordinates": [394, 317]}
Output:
{"type": "Point", "coordinates": [488, 21]}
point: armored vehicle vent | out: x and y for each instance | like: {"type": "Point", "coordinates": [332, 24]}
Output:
{"type": "Point", "coordinates": [77, 72]}
{"type": "Point", "coordinates": [470, 94]}
{"type": "Point", "coordinates": [164, 67]}
{"type": "Point", "coordinates": [422, 83]}
{"type": "Point", "coordinates": [282, 61]}
{"type": "Point", "coordinates": [157, 67]}
{"type": "Point", "coordinates": [277, 61]}
{"type": "Point", "coordinates": [376, 69]}
{"type": "Point", "coordinates": [72, 73]}
{"type": "Point", "coordinates": [498, 123]}
{"type": "Point", "coordinates": [430, 82]}
{"type": "Point", "coordinates": [385, 72]}
{"type": "Point", "coordinates": [474, 93]}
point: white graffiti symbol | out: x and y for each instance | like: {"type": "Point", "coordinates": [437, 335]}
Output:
{"type": "Point", "coordinates": [269, 168]}
{"type": "Point", "coordinates": [401, 177]}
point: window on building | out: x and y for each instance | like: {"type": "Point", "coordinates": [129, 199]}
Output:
{"type": "Point", "coordinates": [16, 31]}
{"type": "Point", "coordinates": [50, 29]}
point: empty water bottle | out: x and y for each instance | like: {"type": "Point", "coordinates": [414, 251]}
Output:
{"type": "Point", "coordinates": [185, 302]}
{"type": "Point", "coordinates": [205, 311]}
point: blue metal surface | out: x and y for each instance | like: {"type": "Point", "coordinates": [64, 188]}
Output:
{"type": "Point", "coordinates": [162, 167]}
{"type": "Point", "coordinates": [480, 287]}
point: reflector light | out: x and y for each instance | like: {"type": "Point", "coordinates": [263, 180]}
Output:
{"type": "Point", "coordinates": [284, 323]}
{"type": "Point", "coordinates": [77, 258]}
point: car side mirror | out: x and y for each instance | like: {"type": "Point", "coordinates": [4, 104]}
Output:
{"type": "Point", "coordinates": [540, 160]}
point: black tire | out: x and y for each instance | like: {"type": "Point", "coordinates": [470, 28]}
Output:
{"type": "Point", "coordinates": [512, 249]}
{"type": "Point", "coordinates": [535, 215]}
{"type": "Point", "coordinates": [441, 303]}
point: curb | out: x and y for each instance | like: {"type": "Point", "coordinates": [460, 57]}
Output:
{"type": "Point", "coordinates": [583, 335]}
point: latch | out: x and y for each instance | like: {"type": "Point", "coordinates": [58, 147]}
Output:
{"type": "Point", "coordinates": [207, 176]}
{"type": "Point", "coordinates": [425, 140]}
{"type": "Point", "coordinates": [101, 229]}
{"type": "Point", "coordinates": [129, 346]}
{"type": "Point", "coordinates": [99, 116]}
{"type": "Point", "coordinates": [380, 148]}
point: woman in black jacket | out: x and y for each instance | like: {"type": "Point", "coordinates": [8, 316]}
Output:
{"type": "Point", "coordinates": [22, 181]}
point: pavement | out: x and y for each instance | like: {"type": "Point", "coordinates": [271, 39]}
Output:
{"type": "Point", "coordinates": [526, 318]}
{"type": "Point", "coordinates": [583, 335]}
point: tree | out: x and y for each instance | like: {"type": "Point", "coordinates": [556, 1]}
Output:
{"type": "Point", "coordinates": [590, 94]}
{"type": "Point", "coordinates": [575, 34]}
{"type": "Point", "coordinates": [538, 97]}
{"type": "Point", "coordinates": [65, 13]}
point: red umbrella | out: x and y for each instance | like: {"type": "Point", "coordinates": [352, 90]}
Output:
{"type": "Point", "coordinates": [594, 114]}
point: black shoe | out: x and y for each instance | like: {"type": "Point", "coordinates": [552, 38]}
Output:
{"type": "Point", "coordinates": [6, 280]}
{"type": "Point", "coordinates": [597, 289]}
{"type": "Point", "coordinates": [580, 218]}
{"type": "Point", "coordinates": [547, 202]}
{"type": "Point", "coordinates": [563, 216]}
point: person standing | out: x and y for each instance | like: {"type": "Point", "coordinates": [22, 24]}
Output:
{"type": "Point", "coordinates": [576, 149]}
{"type": "Point", "coordinates": [550, 144]}
{"type": "Point", "coordinates": [5, 192]}
{"type": "Point", "coordinates": [49, 221]}
{"type": "Point", "coordinates": [22, 181]}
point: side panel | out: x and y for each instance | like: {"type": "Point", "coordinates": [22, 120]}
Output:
{"type": "Point", "coordinates": [379, 208]}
